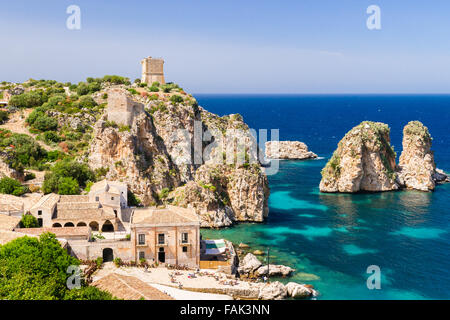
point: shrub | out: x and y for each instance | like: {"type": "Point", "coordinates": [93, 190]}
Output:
{"type": "Point", "coordinates": [99, 262]}
{"type": "Point", "coordinates": [3, 116]}
{"type": "Point", "coordinates": [124, 128]}
{"type": "Point", "coordinates": [133, 91]}
{"type": "Point", "coordinates": [164, 193]}
{"type": "Point", "coordinates": [45, 123]}
{"type": "Point", "coordinates": [29, 221]}
{"type": "Point", "coordinates": [117, 262]}
{"type": "Point", "coordinates": [153, 89]}
{"type": "Point", "coordinates": [11, 186]}
{"type": "Point", "coordinates": [87, 102]}
{"type": "Point", "coordinates": [26, 100]}
{"type": "Point", "coordinates": [21, 149]}
{"type": "Point", "coordinates": [82, 89]}
{"type": "Point", "coordinates": [155, 84]}
{"type": "Point", "coordinates": [51, 136]}
{"type": "Point", "coordinates": [176, 99]}
{"type": "Point", "coordinates": [132, 200]}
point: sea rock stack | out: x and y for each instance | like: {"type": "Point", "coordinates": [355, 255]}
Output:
{"type": "Point", "coordinates": [363, 161]}
{"type": "Point", "coordinates": [288, 150]}
{"type": "Point", "coordinates": [416, 169]}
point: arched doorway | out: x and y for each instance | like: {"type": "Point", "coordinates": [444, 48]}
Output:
{"type": "Point", "coordinates": [94, 226]}
{"type": "Point", "coordinates": [57, 225]}
{"type": "Point", "coordinates": [81, 224]}
{"type": "Point", "coordinates": [108, 255]}
{"type": "Point", "coordinates": [161, 255]}
{"type": "Point", "coordinates": [107, 226]}
{"type": "Point", "coordinates": [69, 224]}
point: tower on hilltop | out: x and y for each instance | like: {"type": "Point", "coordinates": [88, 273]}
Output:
{"type": "Point", "coordinates": [152, 70]}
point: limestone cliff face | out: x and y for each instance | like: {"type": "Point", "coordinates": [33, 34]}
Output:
{"type": "Point", "coordinates": [222, 194]}
{"type": "Point", "coordinates": [136, 156]}
{"type": "Point", "coordinates": [288, 150]}
{"type": "Point", "coordinates": [158, 152]}
{"type": "Point", "coordinates": [416, 168]}
{"type": "Point", "coordinates": [363, 161]}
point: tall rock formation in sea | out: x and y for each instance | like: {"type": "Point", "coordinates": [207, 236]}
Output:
{"type": "Point", "coordinates": [363, 161]}
{"type": "Point", "coordinates": [416, 168]}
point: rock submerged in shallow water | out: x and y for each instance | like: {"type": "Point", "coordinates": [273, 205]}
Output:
{"type": "Point", "coordinates": [294, 150]}
{"type": "Point", "coordinates": [297, 290]}
{"type": "Point", "coordinates": [258, 253]}
{"type": "Point", "coordinates": [363, 161]}
{"type": "Point", "coordinates": [243, 246]}
{"type": "Point", "coordinates": [416, 168]}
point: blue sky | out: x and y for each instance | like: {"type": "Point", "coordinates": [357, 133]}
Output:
{"type": "Point", "coordinates": [246, 46]}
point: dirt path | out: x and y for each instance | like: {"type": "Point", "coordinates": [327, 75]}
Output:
{"type": "Point", "coordinates": [17, 124]}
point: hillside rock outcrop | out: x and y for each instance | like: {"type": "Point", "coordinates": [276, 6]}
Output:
{"type": "Point", "coordinates": [179, 153]}
{"type": "Point", "coordinates": [416, 168]}
{"type": "Point", "coordinates": [363, 161]}
{"type": "Point", "coordinates": [288, 150]}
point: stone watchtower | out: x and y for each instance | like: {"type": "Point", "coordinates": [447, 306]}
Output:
{"type": "Point", "coordinates": [152, 70]}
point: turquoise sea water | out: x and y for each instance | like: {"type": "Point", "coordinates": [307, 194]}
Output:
{"type": "Point", "coordinates": [331, 239]}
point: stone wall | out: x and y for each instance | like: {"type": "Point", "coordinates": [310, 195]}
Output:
{"type": "Point", "coordinates": [121, 108]}
{"type": "Point", "coordinates": [85, 250]}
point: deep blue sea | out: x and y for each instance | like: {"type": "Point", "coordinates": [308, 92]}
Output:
{"type": "Point", "coordinates": [331, 239]}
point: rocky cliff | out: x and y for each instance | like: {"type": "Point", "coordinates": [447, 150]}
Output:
{"type": "Point", "coordinates": [288, 150]}
{"type": "Point", "coordinates": [363, 161]}
{"type": "Point", "coordinates": [416, 168]}
{"type": "Point", "coordinates": [177, 152]}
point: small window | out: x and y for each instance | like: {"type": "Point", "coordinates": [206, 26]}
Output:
{"type": "Point", "coordinates": [39, 212]}
{"type": "Point", "coordinates": [142, 239]}
{"type": "Point", "coordinates": [141, 255]}
{"type": "Point", "coordinates": [161, 238]}
{"type": "Point", "coordinates": [112, 198]}
{"type": "Point", "coordinates": [185, 249]}
{"type": "Point", "coordinates": [184, 237]}
{"type": "Point", "coordinates": [97, 199]}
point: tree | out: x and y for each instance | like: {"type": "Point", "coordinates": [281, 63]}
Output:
{"type": "Point", "coordinates": [68, 185]}
{"type": "Point", "coordinates": [29, 221]}
{"type": "Point", "coordinates": [67, 168]}
{"type": "Point", "coordinates": [11, 186]}
{"type": "Point", "coordinates": [36, 269]}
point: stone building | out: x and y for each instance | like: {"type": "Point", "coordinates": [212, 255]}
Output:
{"type": "Point", "coordinates": [101, 209]}
{"type": "Point", "coordinates": [121, 108]}
{"type": "Point", "coordinates": [166, 235]}
{"type": "Point", "coordinates": [10, 206]}
{"type": "Point", "coordinates": [152, 70]}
